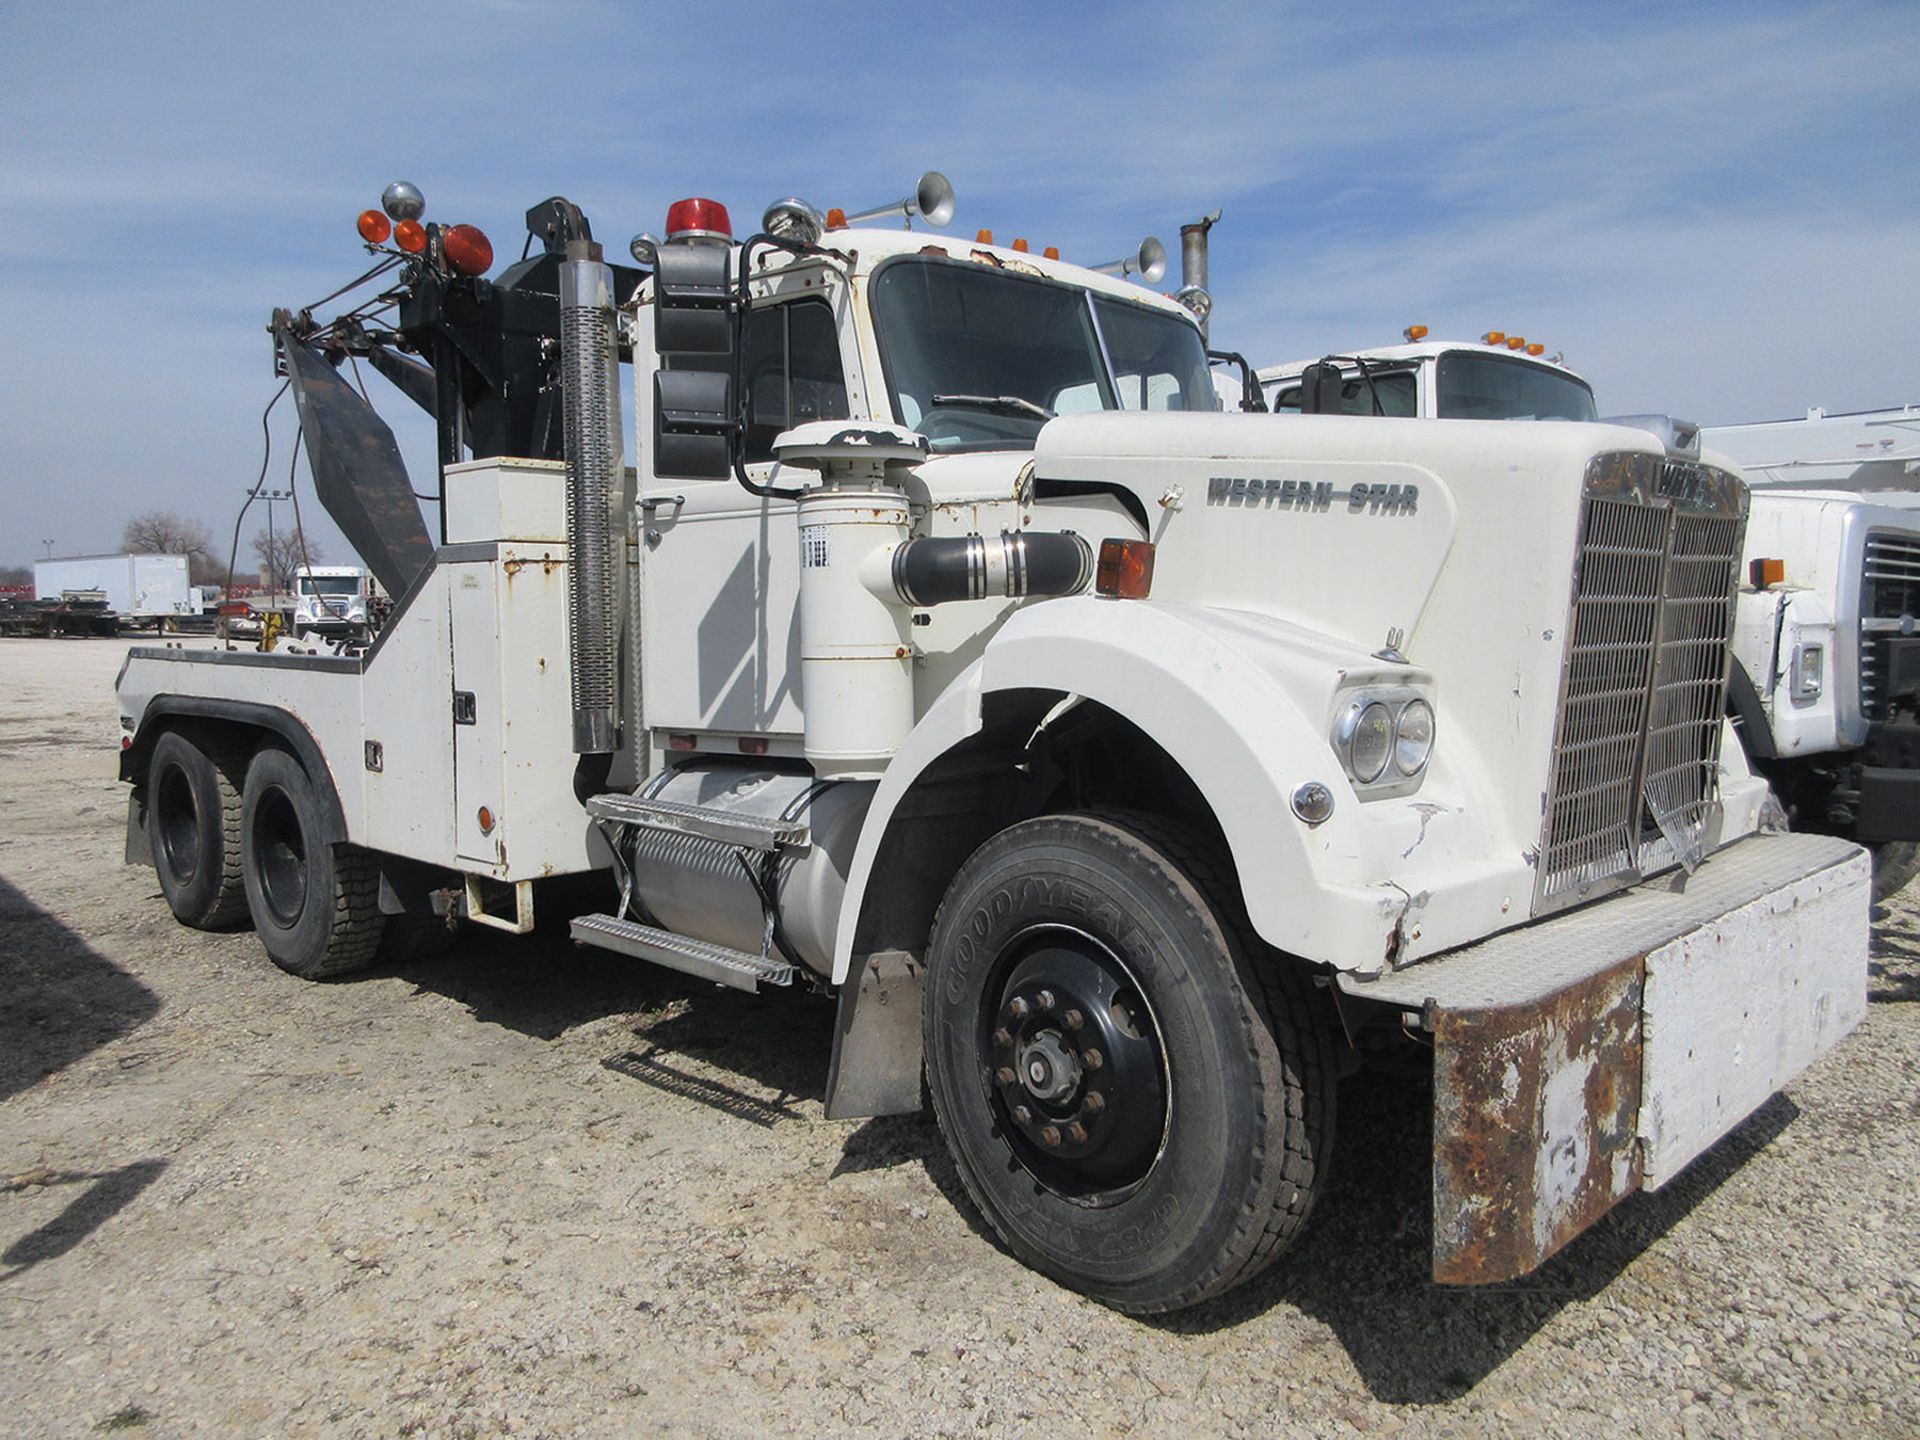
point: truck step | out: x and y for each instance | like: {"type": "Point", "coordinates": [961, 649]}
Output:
{"type": "Point", "coordinates": [718, 963]}
{"type": "Point", "coordinates": [728, 827]}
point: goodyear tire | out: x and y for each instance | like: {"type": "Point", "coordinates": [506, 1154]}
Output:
{"type": "Point", "coordinates": [1134, 1091]}
{"type": "Point", "coordinates": [193, 829]}
{"type": "Point", "coordinates": [315, 905]}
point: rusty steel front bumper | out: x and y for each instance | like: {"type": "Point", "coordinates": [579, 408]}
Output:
{"type": "Point", "coordinates": [1584, 1057]}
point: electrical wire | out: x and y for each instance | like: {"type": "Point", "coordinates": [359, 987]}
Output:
{"type": "Point", "coordinates": [380, 269]}
{"type": "Point", "coordinates": [266, 459]}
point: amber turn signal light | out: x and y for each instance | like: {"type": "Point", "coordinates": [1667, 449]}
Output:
{"type": "Point", "coordinates": [1766, 571]}
{"type": "Point", "coordinates": [1125, 569]}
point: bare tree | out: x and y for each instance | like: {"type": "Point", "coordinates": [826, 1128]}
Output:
{"type": "Point", "coordinates": [281, 553]}
{"type": "Point", "coordinates": [15, 575]}
{"type": "Point", "coordinates": [162, 532]}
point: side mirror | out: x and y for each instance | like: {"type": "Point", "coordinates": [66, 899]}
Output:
{"type": "Point", "coordinates": [696, 429]}
{"type": "Point", "coordinates": [1322, 390]}
{"type": "Point", "coordinates": [693, 300]}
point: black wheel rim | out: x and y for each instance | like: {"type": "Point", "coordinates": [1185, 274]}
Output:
{"type": "Point", "coordinates": [1075, 1070]}
{"type": "Point", "coordinates": [280, 856]}
{"type": "Point", "coordinates": [177, 820]}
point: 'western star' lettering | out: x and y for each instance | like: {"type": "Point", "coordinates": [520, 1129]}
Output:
{"type": "Point", "coordinates": [1314, 495]}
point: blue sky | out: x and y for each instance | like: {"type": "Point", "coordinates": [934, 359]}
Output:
{"type": "Point", "coordinates": [1713, 210]}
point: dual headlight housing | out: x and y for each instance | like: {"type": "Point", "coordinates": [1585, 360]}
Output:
{"type": "Point", "coordinates": [1384, 738]}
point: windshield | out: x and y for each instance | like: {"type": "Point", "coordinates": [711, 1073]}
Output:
{"type": "Point", "coordinates": [329, 585]}
{"type": "Point", "coordinates": [1486, 387]}
{"type": "Point", "coordinates": [978, 359]}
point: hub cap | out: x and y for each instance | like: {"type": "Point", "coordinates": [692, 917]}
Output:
{"type": "Point", "coordinates": [280, 850]}
{"type": "Point", "coordinates": [1075, 1066]}
{"type": "Point", "coordinates": [179, 825]}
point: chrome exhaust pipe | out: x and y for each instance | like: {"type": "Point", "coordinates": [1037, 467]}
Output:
{"type": "Point", "coordinates": [596, 468]}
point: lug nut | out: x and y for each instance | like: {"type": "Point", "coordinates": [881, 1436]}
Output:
{"type": "Point", "coordinates": [1003, 1036]}
{"type": "Point", "coordinates": [1093, 1058]}
{"type": "Point", "coordinates": [1023, 1114]}
{"type": "Point", "coordinates": [1045, 997]}
{"type": "Point", "coordinates": [1004, 1075]}
{"type": "Point", "coordinates": [1050, 1136]}
{"type": "Point", "coordinates": [1077, 1133]}
{"type": "Point", "coordinates": [1017, 1008]}
{"type": "Point", "coordinates": [1095, 1102]}
{"type": "Point", "coordinates": [1073, 1019]}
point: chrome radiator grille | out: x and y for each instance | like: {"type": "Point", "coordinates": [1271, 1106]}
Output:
{"type": "Point", "coordinates": [1643, 683]}
{"type": "Point", "coordinates": [1889, 597]}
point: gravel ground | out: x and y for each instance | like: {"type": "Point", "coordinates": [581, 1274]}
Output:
{"type": "Point", "coordinates": [528, 1189]}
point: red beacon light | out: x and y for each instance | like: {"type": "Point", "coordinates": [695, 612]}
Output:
{"type": "Point", "coordinates": [467, 249]}
{"type": "Point", "coordinates": [698, 219]}
{"type": "Point", "coordinates": [374, 227]}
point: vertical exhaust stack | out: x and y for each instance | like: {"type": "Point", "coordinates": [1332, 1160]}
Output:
{"type": "Point", "coordinates": [596, 466]}
{"type": "Point", "coordinates": [1194, 293]}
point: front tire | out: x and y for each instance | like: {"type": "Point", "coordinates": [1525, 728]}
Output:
{"type": "Point", "coordinates": [1134, 1091]}
{"type": "Point", "coordinates": [315, 905]}
{"type": "Point", "coordinates": [1895, 863]}
{"type": "Point", "coordinates": [193, 829]}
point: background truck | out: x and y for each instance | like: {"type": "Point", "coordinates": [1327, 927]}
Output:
{"type": "Point", "coordinates": [1825, 687]}
{"type": "Point", "coordinates": [1124, 768]}
{"type": "Point", "coordinates": [139, 589]}
{"type": "Point", "coordinates": [331, 601]}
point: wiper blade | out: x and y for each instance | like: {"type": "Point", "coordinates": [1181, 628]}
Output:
{"type": "Point", "coordinates": [1000, 404]}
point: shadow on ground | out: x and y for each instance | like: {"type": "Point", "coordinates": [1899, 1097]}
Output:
{"type": "Point", "coordinates": [59, 998]}
{"type": "Point", "coordinates": [104, 1195]}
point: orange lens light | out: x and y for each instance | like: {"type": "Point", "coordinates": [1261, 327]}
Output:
{"type": "Point", "coordinates": [985, 237]}
{"type": "Point", "coordinates": [1494, 337]}
{"type": "Point", "coordinates": [1765, 572]}
{"type": "Point", "coordinates": [1534, 347]}
{"type": "Point", "coordinates": [375, 227]}
{"type": "Point", "coordinates": [1415, 332]}
{"type": "Point", "coordinates": [467, 249]}
{"type": "Point", "coordinates": [1021, 246]}
{"type": "Point", "coordinates": [1052, 252]}
{"type": "Point", "coordinates": [836, 219]}
{"type": "Point", "coordinates": [485, 817]}
{"type": "Point", "coordinates": [1125, 569]}
{"type": "Point", "coordinates": [410, 236]}
{"type": "Point", "coordinates": [1516, 342]}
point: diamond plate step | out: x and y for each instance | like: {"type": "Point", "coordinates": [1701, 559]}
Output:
{"type": "Point", "coordinates": [717, 963]}
{"type": "Point", "coordinates": [729, 827]}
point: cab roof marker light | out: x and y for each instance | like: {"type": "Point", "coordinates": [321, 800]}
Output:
{"type": "Point", "coordinates": [1052, 252]}
{"type": "Point", "coordinates": [1516, 342]}
{"type": "Point", "coordinates": [1415, 333]}
{"type": "Point", "coordinates": [984, 237]}
{"type": "Point", "coordinates": [1494, 337]}
{"type": "Point", "coordinates": [1534, 347]}
{"type": "Point", "coordinates": [836, 218]}
{"type": "Point", "coordinates": [1020, 245]}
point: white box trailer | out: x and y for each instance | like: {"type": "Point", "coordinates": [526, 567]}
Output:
{"type": "Point", "coordinates": [136, 587]}
{"type": "Point", "coordinates": [1358, 738]}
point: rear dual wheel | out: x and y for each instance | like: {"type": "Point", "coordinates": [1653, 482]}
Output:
{"type": "Point", "coordinates": [1134, 1091]}
{"type": "Point", "coordinates": [193, 827]}
{"type": "Point", "coordinates": [315, 905]}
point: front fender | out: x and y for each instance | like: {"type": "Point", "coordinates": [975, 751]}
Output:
{"type": "Point", "coordinates": [1226, 695]}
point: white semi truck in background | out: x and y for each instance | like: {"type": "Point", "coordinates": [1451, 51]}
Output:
{"type": "Point", "coordinates": [1825, 688]}
{"type": "Point", "coordinates": [1127, 769]}
{"type": "Point", "coordinates": [331, 601]}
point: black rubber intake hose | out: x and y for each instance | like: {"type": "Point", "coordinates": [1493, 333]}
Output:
{"type": "Point", "coordinates": [978, 567]}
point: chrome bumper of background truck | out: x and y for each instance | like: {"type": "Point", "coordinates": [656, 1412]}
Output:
{"type": "Point", "coordinates": [1587, 1056]}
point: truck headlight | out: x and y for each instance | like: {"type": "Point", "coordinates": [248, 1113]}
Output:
{"type": "Point", "coordinates": [1413, 738]}
{"type": "Point", "coordinates": [1384, 739]}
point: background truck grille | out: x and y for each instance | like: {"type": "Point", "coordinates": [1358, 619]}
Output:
{"type": "Point", "coordinates": [1889, 596]}
{"type": "Point", "coordinates": [1643, 688]}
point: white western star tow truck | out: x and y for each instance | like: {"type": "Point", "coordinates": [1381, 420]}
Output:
{"type": "Point", "coordinates": [1825, 684]}
{"type": "Point", "coordinates": [1127, 768]}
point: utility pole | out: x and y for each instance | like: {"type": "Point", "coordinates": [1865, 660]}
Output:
{"type": "Point", "coordinates": [49, 545]}
{"type": "Point", "coordinates": [273, 554]}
